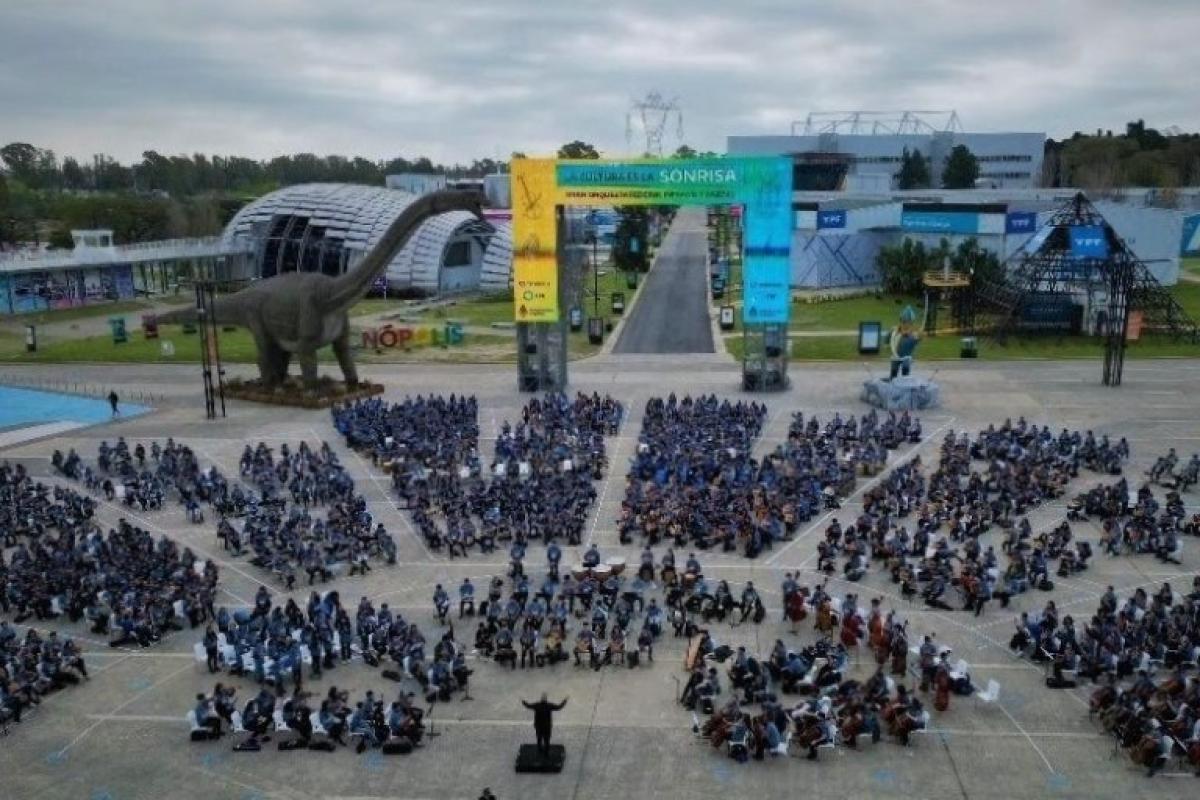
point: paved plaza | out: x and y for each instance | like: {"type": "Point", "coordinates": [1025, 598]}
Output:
{"type": "Point", "coordinates": [123, 735]}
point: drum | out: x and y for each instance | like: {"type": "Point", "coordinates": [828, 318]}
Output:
{"type": "Point", "coordinates": [689, 580]}
{"type": "Point", "coordinates": [602, 572]}
{"type": "Point", "coordinates": [579, 571]}
{"type": "Point", "coordinates": [616, 564]}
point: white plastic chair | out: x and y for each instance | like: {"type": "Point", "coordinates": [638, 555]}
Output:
{"type": "Point", "coordinates": [237, 730]}
{"type": "Point", "coordinates": [193, 722]}
{"type": "Point", "coordinates": [922, 726]}
{"type": "Point", "coordinates": [991, 694]}
{"type": "Point", "coordinates": [200, 654]}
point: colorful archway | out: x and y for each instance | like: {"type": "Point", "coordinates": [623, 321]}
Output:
{"type": "Point", "coordinates": [762, 186]}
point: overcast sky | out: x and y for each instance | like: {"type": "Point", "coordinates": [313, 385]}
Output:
{"type": "Point", "coordinates": [455, 80]}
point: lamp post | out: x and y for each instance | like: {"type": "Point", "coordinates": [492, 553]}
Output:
{"type": "Point", "coordinates": [591, 238]}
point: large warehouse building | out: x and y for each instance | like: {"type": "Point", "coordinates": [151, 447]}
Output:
{"type": "Point", "coordinates": [870, 162]}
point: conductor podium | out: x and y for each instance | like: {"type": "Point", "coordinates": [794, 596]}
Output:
{"type": "Point", "coordinates": [530, 759]}
{"type": "Point", "coordinates": [902, 393]}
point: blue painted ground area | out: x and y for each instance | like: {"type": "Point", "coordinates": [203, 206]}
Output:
{"type": "Point", "coordinates": [20, 407]}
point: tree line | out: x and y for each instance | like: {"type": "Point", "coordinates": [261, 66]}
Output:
{"type": "Point", "coordinates": [182, 175]}
{"type": "Point", "coordinates": [1139, 157]}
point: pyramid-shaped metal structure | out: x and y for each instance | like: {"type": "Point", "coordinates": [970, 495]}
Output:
{"type": "Point", "coordinates": [1077, 256]}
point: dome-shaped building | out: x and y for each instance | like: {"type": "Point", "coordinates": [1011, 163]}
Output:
{"type": "Point", "coordinates": [329, 227]}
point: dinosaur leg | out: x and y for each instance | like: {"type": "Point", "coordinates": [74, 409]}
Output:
{"type": "Point", "coordinates": [308, 367]}
{"type": "Point", "coordinates": [273, 360]}
{"type": "Point", "coordinates": [341, 349]}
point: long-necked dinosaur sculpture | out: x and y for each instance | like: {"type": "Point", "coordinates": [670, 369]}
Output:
{"type": "Point", "coordinates": [297, 313]}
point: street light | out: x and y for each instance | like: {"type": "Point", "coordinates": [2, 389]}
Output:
{"type": "Point", "coordinates": [590, 238]}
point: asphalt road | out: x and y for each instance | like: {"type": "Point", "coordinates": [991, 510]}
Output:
{"type": "Point", "coordinates": [671, 314]}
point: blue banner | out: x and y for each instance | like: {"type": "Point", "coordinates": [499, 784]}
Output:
{"type": "Point", "coordinates": [1020, 222]}
{"type": "Point", "coordinates": [1088, 241]}
{"type": "Point", "coordinates": [767, 241]}
{"type": "Point", "coordinates": [1191, 236]}
{"type": "Point", "coordinates": [831, 219]}
{"type": "Point", "coordinates": [940, 221]}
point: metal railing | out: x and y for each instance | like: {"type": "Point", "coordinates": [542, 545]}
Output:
{"type": "Point", "coordinates": [93, 389]}
{"type": "Point", "coordinates": [164, 250]}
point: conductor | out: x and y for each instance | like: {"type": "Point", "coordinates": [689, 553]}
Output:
{"type": "Point", "coordinates": [543, 715]}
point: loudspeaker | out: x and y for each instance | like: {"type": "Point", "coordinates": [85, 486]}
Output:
{"type": "Point", "coordinates": [530, 759]}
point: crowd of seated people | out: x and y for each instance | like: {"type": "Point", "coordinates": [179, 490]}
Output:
{"type": "Point", "coordinates": [1168, 473]}
{"type": "Point", "coordinates": [300, 720]}
{"type": "Point", "coordinates": [125, 583]}
{"type": "Point", "coordinates": [694, 480]}
{"type": "Point", "coordinates": [280, 526]}
{"type": "Point", "coordinates": [1142, 654]}
{"type": "Point", "coordinates": [276, 644]}
{"type": "Point", "coordinates": [595, 617]}
{"type": "Point", "coordinates": [1135, 523]}
{"type": "Point", "coordinates": [32, 667]}
{"type": "Point", "coordinates": [941, 559]}
{"type": "Point", "coordinates": [29, 508]}
{"type": "Point", "coordinates": [422, 433]}
{"type": "Point", "coordinates": [540, 485]}
{"type": "Point", "coordinates": [835, 710]}
{"type": "Point", "coordinates": [124, 473]}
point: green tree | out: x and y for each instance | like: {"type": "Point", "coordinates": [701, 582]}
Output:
{"type": "Point", "coordinates": [683, 151]}
{"type": "Point", "coordinates": [21, 161]}
{"type": "Point", "coordinates": [6, 232]}
{"type": "Point", "coordinates": [961, 170]}
{"type": "Point", "coordinates": [73, 175]}
{"type": "Point", "coordinates": [982, 265]}
{"type": "Point", "coordinates": [914, 171]}
{"type": "Point", "coordinates": [60, 239]}
{"type": "Point", "coordinates": [902, 267]}
{"type": "Point", "coordinates": [578, 149]}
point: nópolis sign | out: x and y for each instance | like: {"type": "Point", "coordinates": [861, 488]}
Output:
{"type": "Point", "coordinates": [403, 337]}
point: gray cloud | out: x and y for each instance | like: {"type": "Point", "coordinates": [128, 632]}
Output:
{"type": "Point", "coordinates": [457, 80]}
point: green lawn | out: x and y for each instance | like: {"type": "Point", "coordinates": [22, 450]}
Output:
{"type": "Point", "coordinates": [844, 348]}
{"type": "Point", "coordinates": [838, 315]}
{"type": "Point", "coordinates": [1191, 266]}
{"type": "Point", "coordinates": [237, 346]}
{"type": "Point", "coordinates": [1187, 294]}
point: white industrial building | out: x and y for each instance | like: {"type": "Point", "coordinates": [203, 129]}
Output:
{"type": "Point", "coordinates": [862, 151]}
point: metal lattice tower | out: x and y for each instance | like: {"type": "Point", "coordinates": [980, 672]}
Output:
{"type": "Point", "coordinates": [1113, 285]}
{"type": "Point", "coordinates": [651, 114]}
{"type": "Point", "coordinates": [878, 122]}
